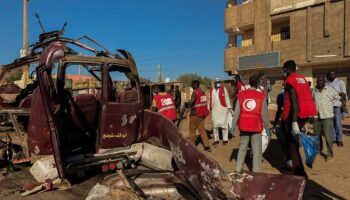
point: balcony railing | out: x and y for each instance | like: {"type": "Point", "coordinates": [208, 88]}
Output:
{"type": "Point", "coordinates": [279, 37]}
{"type": "Point", "coordinates": [247, 42]}
{"type": "Point", "coordinates": [279, 6]}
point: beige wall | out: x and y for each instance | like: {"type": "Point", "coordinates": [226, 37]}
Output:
{"type": "Point", "coordinates": [319, 38]}
{"type": "Point", "coordinates": [318, 33]}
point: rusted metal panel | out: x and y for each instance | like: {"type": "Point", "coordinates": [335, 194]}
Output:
{"type": "Point", "coordinates": [10, 89]}
{"type": "Point", "coordinates": [206, 176]}
{"type": "Point", "coordinates": [153, 129]}
{"type": "Point", "coordinates": [267, 186]}
{"type": "Point", "coordinates": [197, 169]}
{"type": "Point", "coordinates": [118, 125]}
{"type": "Point", "coordinates": [39, 141]}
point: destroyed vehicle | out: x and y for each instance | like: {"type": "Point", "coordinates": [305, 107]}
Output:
{"type": "Point", "coordinates": [99, 130]}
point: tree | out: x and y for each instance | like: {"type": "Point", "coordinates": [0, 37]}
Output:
{"type": "Point", "coordinates": [186, 79]}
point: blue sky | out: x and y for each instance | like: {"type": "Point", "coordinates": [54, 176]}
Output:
{"type": "Point", "coordinates": [183, 36]}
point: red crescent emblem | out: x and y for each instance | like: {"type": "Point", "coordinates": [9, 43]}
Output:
{"type": "Point", "coordinates": [249, 104]}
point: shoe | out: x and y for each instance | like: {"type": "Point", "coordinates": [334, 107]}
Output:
{"type": "Point", "coordinates": [197, 141]}
{"type": "Point", "coordinates": [329, 159]}
{"type": "Point", "coordinates": [309, 165]}
{"type": "Point", "coordinates": [208, 149]}
{"type": "Point", "coordinates": [215, 143]}
{"type": "Point", "coordinates": [224, 142]}
{"type": "Point", "coordinates": [340, 144]}
{"type": "Point", "coordinates": [230, 137]}
{"type": "Point", "coordinates": [346, 133]}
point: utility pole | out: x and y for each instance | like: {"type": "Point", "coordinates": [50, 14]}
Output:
{"type": "Point", "coordinates": [159, 74]}
{"type": "Point", "coordinates": [24, 51]}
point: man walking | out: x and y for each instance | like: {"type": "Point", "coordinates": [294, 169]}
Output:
{"type": "Point", "coordinates": [298, 107]}
{"type": "Point", "coordinates": [199, 111]}
{"type": "Point", "coordinates": [221, 107]}
{"type": "Point", "coordinates": [324, 97]}
{"type": "Point", "coordinates": [251, 116]}
{"type": "Point", "coordinates": [339, 86]}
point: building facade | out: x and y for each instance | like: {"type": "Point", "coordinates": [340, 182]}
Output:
{"type": "Point", "coordinates": [263, 34]}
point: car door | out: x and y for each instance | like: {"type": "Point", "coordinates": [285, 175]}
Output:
{"type": "Point", "coordinates": [119, 120]}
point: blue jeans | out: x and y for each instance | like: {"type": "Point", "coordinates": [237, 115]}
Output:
{"type": "Point", "coordinates": [232, 132]}
{"type": "Point", "coordinates": [337, 127]}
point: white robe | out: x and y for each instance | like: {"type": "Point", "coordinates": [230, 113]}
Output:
{"type": "Point", "coordinates": [220, 115]}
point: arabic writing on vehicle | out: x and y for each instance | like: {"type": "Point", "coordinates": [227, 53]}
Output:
{"type": "Point", "coordinates": [114, 135]}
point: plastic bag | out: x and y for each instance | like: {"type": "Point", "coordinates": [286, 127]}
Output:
{"type": "Point", "coordinates": [311, 147]}
{"type": "Point", "coordinates": [265, 140]}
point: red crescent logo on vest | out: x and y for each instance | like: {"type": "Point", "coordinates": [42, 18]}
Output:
{"type": "Point", "coordinates": [249, 104]}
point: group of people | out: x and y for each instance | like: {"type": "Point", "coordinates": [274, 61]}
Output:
{"type": "Point", "coordinates": [329, 97]}
{"type": "Point", "coordinates": [247, 110]}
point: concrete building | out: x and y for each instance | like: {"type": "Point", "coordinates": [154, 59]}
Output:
{"type": "Point", "coordinates": [263, 34]}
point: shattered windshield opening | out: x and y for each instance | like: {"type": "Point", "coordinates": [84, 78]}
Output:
{"type": "Point", "coordinates": [123, 85]}
{"type": "Point", "coordinates": [82, 78]}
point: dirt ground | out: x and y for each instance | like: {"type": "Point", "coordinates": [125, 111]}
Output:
{"type": "Point", "coordinates": [326, 180]}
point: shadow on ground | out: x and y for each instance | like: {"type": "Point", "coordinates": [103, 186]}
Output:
{"type": "Point", "coordinates": [315, 191]}
{"type": "Point", "coordinates": [275, 156]}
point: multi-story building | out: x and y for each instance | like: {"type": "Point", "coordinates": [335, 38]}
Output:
{"type": "Point", "coordinates": [263, 34]}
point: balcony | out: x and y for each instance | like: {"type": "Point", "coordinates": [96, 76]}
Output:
{"type": "Point", "coordinates": [279, 37]}
{"type": "Point", "coordinates": [237, 16]}
{"type": "Point", "coordinates": [231, 18]}
{"type": "Point", "coordinates": [231, 56]}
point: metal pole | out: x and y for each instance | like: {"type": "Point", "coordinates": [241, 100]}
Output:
{"type": "Point", "coordinates": [24, 52]}
{"type": "Point", "coordinates": [25, 25]}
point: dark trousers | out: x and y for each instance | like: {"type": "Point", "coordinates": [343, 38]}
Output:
{"type": "Point", "coordinates": [325, 127]}
{"type": "Point", "coordinates": [282, 138]}
{"type": "Point", "coordinates": [294, 142]}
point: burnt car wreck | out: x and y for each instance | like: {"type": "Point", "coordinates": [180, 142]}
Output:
{"type": "Point", "coordinates": [99, 130]}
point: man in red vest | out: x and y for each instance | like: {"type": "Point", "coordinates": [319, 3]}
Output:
{"type": "Point", "coordinates": [298, 107]}
{"type": "Point", "coordinates": [199, 111]}
{"type": "Point", "coordinates": [251, 116]}
{"type": "Point", "coordinates": [220, 106]}
{"type": "Point", "coordinates": [164, 103]}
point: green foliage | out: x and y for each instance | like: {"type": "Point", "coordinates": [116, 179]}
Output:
{"type": "Point", "coordinates": [186, 79]}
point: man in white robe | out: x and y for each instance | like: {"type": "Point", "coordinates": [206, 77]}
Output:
{"type": "Point", "coordinates": [221, 111]}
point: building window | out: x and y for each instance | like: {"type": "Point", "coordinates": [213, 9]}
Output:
{"type": "Point", "coordinates": [285, 33]}
{"type": "Point", "coordinates": [280, 30]}
{"type": "Point", "coordinates": [238, 41]}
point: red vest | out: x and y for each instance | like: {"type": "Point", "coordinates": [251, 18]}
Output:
{"type": "Point", "coordinates": [221, 97]}
{"type": "Point", "coordinates": [240, 86]}
{"type": "Point", "coordinates": [166, 106]}
{"type": "Point", "coordinates": [201, 105]}
{"type": "Point", "coordinates": [250, 103]}
{"type": "Point", "coordinates": [306, 104]}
